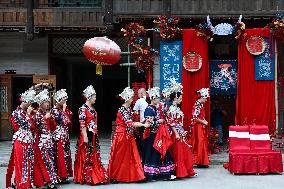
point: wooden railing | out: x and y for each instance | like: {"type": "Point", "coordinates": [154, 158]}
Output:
{"type": "Point", "coordinates": [68, 17]}
{"type": "Point", "coordinates": [11, 3]}
{"type": "Point", "coordinates": [51, 3]}
{"type": "Point", "coordinates": [197, 8]}
{"type": "Point", "coordinates": [14, 13]}
{"type": "Point", "coordinates": [53, 17]}
{"type": "Point", "coordinates": [154, 7]}
{"type": "Point", "coordinates": [13, 17]}
{"type": "Point", "coordinates": [226, 7]}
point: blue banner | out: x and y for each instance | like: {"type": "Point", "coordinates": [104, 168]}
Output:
{"type": "Point", "coordinates": [170, 62]}
{"type": "Point", "coordinates": [264, 64]}
{"type": "Point", "coordinates": [223, 77]}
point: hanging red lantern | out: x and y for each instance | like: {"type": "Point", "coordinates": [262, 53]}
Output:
{"type": "Point", "coordinates": [101, 50]}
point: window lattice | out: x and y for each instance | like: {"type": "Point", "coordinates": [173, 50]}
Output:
{"type": "Point", "coordinates": [74, 45]}
{"type": "Point", "coordinates": [67, 45]}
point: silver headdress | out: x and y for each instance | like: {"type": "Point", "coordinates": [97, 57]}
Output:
{"type": "Point", "coordinates": [175, 87]}
{"type": "Point", "coordinates": [89, 92]}
{"type": "Point", "coordinates": [60, 94]}
{"type": "Point", "coordinates": [28, 96]}
{"type": "Point", "coordinates": [166, 92]}
{"type": "Point", "coordinates": [43, 96]}
{"type": "Point", "coordinates": [127, 94]}
{"type": "Point", "coordinates": [154, 92]}
{"type": "Point", "coordinates": [204, 92]}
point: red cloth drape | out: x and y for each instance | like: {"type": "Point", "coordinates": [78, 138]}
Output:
{"type": "Point", "coordinates": [255, 99]}
{"type": "Point", "coordinates": [193, 81]}
{"type": "Point", "coordinates": [149, 77]}
{"type": "Point", "coordinates": [163, 140]}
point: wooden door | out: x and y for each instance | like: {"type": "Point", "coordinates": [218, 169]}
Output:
{"type": "Point", "coordinates": [6, 131]}
{"type": "Point", "coordinates": [51, 79]}
{"type": "Point", "coordinates": [45, 79]}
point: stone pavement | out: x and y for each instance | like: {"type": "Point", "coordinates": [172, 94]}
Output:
{"type": "Point", "coordinates": [215, 177]}
{"type": "Point", "coordinates": [105, 143]}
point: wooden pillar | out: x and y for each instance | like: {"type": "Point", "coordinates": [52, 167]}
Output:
{"type": "Point", "coordinates": [30, 19]}
{"type": "Point", "coordinates": [167, 7]}
{"type": "Point", "coordinates": [108, 19]}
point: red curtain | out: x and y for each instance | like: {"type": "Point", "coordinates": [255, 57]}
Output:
{"type": "Point", "coordinates": [255, 99]}
{"type": "Point", "coordinates": [193, 81]}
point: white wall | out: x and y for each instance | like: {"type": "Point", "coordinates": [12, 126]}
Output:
{"type": "Point", "coordinates": [26, 57]}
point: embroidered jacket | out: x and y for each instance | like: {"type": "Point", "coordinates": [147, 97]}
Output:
{"type": "Point", "coordinates": [22, 125]}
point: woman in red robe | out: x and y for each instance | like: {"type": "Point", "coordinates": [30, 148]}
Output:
{"type": "Point", "coordinates": [22, 156]}
{"type": "Point", "coordinates": [125, 162]}
{"type": "Point", "coordinates": [180, 150]}
{"type": "Point", "coordinates": [199, 138]}
{"type": "Point", "coordinates": [62, 116]}
{"type": "Point", "coordinates": [45, 148]}
{"type": "Point", "coordinates": [88, 168]}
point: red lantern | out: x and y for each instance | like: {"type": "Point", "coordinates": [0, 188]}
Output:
{"type": "Point", "coordinates": [101, 50]}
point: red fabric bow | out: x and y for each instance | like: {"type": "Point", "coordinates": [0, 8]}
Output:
{"type": "Point", "coordinates": [163, 140]}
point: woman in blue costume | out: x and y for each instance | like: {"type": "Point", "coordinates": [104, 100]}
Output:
{"type": "Point", "coordinates": [154, 167]}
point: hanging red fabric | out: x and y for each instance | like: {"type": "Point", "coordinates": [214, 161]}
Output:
{"type": "Point", "coordinates": [149, 77]}
{"type": "Point", "coordinates": [255, 99]}
{"type": "Point", "coordinates": [193, 81]}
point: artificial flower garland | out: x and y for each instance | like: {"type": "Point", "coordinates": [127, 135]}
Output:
{"type": "Point", "coordinates": [205, 30]}
{"type": "Point", "coordinates": [277, 27]}
{"type": "Point", "coordinates": [143, 55]}
{"type": "Point", "coordinates": [167, 26]}
{"type": "Point", "coordinates": [239, 30]}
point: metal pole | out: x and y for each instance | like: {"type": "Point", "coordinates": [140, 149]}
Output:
{"type": "Point", "coordinates": [276, 89]}
{"type": "Point", "coordinates": [128, 69]}
{"type": "Point", "coordinates": [149, 75]}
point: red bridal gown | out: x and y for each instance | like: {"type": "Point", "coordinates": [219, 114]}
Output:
{"type": "Point", "coordinates": [125, 163]}
{"type": "Point", "coordinates": [88, 168]}
{"type": "Point", "coordinates": [62, 142]}
{"type": "Point", "coordinates": [44, 148]}
{"type": "Point", "coordinates": [180, 150]}
{"type": "Point", "coordinates": [38, 176]}
{"type": "Point", "coordinates": [199, 138]}
{"type": "Point", "coordinates": [22, 156]}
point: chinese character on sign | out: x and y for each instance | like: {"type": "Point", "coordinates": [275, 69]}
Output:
{"type": "Point", "coordinates": [255, 45]}
{"type": "Point", "coordinates": [192, 61]}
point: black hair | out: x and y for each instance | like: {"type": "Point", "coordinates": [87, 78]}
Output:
{"type": "Point", "coordinates": [197, 92]}
{"type": "Point", "coordinates": [148, 100]}
{"type": "Point", "coordinates": [173, 95]}
{"type": "Point", "coordinates": [35, 105]}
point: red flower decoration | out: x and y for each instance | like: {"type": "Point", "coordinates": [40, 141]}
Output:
{"type": "Point", "coordinates": [277, 28]}
{"type": "Point", "coordinates": [167, 26]}
{"type": "Point", "coordinates": [143, 55]}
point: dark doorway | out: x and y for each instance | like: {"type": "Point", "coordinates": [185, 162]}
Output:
{"type": "Point", "coordinates": [19, 85]}
{"type": "Point", "coordinates": [76, 73]}
{"type": "Point", "coordinates": [223, 54]}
